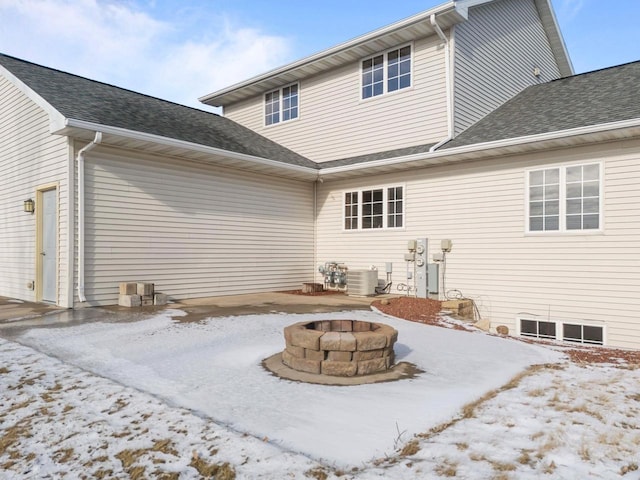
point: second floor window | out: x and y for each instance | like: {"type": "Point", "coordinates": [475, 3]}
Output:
{"type": "Point", "coordinates": [387, 72]}
{"type": "Point", "coordinates": [281, 105]}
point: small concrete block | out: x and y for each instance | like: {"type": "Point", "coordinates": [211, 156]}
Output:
{"type": "Point", "coordinates": [372, 366]}
{"type": "Point", "coordinates": [146, 302]}
{"type": "Point", "coordinates": [330, 341]}
{"type": "Point", "coordinates": [305, 365]}
{"type": "Point", "coordinates": [371, 340]}
{"type": "Point", "coordinates": [341, 325]}
{"type": "Point", "coordinates": [129, 300]}
{"type": "Point", "coordinates": [340, 356]}
{"type": "Point", "coordinates": [160, 299]}
{"type": "Point", "coordinates": [314, 354]}
{"type": "Point", "coordinates": [347, 342]}
{"type": "Point", "coordinates": [295, 351]}
{"type": "Point", "coordinates": [128, 288]}
{"type": "Point", "coordinates": [287, 358]}
{"type": "Point", "coordinates": [341, 369]}
{"type": "Point", "coordinates": [483, 324]}
{"type": "Point", "coordinates": [145, 289]}
{"type": "Point", "coordinates": [369, 355]}
{"type": "Point", "coordinates": [302, 337]}
{"type": "Point", "coordinates": [361, 326]}
{"type": "Point", "coordinates": [323, 325]}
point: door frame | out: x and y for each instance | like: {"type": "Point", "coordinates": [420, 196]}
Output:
{"type": "Point", "coordinates": [39, 231]}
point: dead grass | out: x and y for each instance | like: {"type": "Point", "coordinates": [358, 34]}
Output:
{"type": "Point", "coordinates": [632, 467]}
{"type": "Point", "coordinates": [219, 471]}
{"type": "Point", "coordinates": [4, 370]}
{"type": "Point", "coordinates": [447, 469]}
{"type": "Point", "coordinates": [12, 435]}
{"type": "Point", "coordinates": [410, 448]}
{"type": "Point", "coordinates": [318, 473]}
{"type": "Point", "coordinates": [502, 466]}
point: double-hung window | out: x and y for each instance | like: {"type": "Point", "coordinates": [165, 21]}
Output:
{"type": "Point", "coordinates": [565, 199]}
{"type": "Point", "coordinates": [374, 208]}
{"type": "Point", "coordinates": [281, 105]}
{"type": "Point", "coordinates": [387, 72]}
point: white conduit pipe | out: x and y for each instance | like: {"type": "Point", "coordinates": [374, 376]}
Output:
{"type": "Point", "coordinates": [96, 141]}
{"type": "Point", "coordinates": [447, 74]}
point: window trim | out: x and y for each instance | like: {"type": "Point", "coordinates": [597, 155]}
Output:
{"type": "Point", "coordinates": [280, 91]}
{"type": "Point", "coordinates": [562, 230]}
{"type": "Point", "coordinates": [560, 329]}
{"type": "Point", "coordinates": [385, 208]}
{"type": "Point", "coordinates": [385, 72]}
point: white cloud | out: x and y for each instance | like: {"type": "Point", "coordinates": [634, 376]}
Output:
{"type": "Point", "coordinates": [571, 8]}
{"type": "Point", "coordinates": [119, 44]}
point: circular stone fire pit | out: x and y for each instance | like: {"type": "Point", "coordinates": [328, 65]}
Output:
{"type": "Point", "coordinates": [341, 348]}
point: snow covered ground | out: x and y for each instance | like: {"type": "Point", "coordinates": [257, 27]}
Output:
{"type": "Point", "coordinates": [163, 399]}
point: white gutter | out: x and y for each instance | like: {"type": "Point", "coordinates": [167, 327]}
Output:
{"type": "Point", "coordinates": [479, 147]}
{"type": "Point", "coordinates": [172, 142]}
{"type": "Point", "coordinates": [447, 76]}
{"type": "Point", "coordinates": [97, 140]}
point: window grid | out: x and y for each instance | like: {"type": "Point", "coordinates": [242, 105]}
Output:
{"type": "Point", "coordinates": [394, 207]}
{"type": "Point", "coordinates": [272, 108]}
{"type": "Point", "coordinates": [399, 69]}
{"type": "Point", "coordinates": [374, 208]}
{"type": "Point", "coordinates": [564, 199]}
{"type": "Point", "coordinates": [289, 103]}
{"type": "Point", "coordinates": [281, 105]}
{"type": "Point", "coordinates": [387, 72]}
{"type": "Point", "coordinates": [351, 210]}
{"type": "Point", "coordinates": [537, 329]}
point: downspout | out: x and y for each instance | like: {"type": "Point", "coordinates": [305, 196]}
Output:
{"type": "Point", "coordinates": [96, 141]}
{"type": "Point", "coordinates": [447, 75]}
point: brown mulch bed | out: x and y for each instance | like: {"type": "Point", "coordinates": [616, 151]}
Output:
{"type": "Point", "coordinates": [422, 310]}
{"type": "Point", "coordinates": [426, 311]}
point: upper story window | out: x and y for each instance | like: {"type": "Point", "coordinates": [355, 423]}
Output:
{"type": "Point", "coordinates": [281, 105]}
{"type": "Point", "coordinates": [374, 208]}
{"type": "Point", "coordinates": [386, 72]}
{"type": "Point", "coordinates": [565, 198]}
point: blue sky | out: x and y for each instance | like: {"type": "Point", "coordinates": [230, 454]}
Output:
{"type": "Point", "coordinates": [180, 50]}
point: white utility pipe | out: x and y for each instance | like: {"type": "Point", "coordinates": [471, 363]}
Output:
{"type": "Point", "coordinates": [97, 140]}
{"type": "Point", "coordinates": [447, 74]}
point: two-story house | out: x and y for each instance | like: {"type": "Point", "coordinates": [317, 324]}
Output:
{"type": "Point", "coordinates": [463, 122]}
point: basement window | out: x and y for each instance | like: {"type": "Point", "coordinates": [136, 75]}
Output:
{"type": "Point", "coordinates": [582, 334]}
{"type": "Point", "coordinates": [537, 329]}
{"type": "Point", "coordinates": [567, 332]}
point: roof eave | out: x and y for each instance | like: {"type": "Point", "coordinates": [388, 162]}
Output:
{"type": "Point", "coordinates": [477, 151]}
{"type": "Point", "coordinates": [342, 53]}
{"type": "Point", "coordinates": [216, 155]}
{"type": "Point", "coordinates": [554, 34]}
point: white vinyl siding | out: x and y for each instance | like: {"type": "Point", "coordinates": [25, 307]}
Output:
{"type": "Point", "coordinates": [29, 158]}
{"type": "Point", "coordinates": [193, 230]}
{"type": "Point", "coordinates": [496, 51]}
{"type": "Point", "coordinates": [578, 279]}
{"type": "Point", "coordinates": [336, 123]}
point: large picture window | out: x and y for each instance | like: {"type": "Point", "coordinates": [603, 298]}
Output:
{"type": "Point", "coordinates": [281, 105]}
{"type": "Point", "coordinates": [562, 199]}
{"type": "Point", "coordinates": [387, 72]}
{"type": "Point", "coordinates": [374, 208]}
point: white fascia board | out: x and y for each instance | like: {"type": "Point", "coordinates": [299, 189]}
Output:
{"type": "Point", "coordinates": [438, 10]}
{"type": "Point", "coordinates": [56, 119]}
{"type": "Point", "coordinates": [556, 40]}
{"type": "Point", "coordinates": [172, 142]}
{"type": "Point", "coordinates": [481, 147]}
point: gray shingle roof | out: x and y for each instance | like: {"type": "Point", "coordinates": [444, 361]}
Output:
{"type": "Point", "coordinates": [398, 152]}
{"type": "Point", "coordinates": [599, 97]}
{"type": "Point", "coordinates": [91, 101]}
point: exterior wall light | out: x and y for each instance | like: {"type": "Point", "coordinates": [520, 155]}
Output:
{"type": "Point", "coordinates": [29, 206]}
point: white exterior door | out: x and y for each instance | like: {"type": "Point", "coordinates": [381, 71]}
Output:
{"type": "Point", "coordinates": [49, 246]}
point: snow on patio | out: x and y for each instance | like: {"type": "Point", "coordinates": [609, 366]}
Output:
{"type": "Point", "coordinates": [213, 368]}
